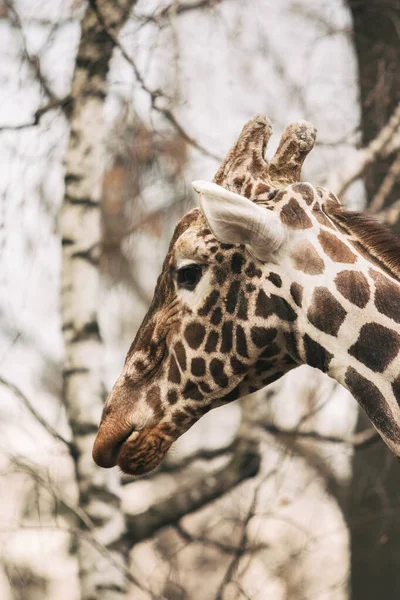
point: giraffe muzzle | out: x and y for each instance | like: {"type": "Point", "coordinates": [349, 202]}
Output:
{"type": "Point", "coordinates": [135, 452]}
{"type": "Point", "coordinates": [108, 443]}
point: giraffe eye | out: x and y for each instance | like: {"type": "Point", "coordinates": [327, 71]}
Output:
{"type": "Point", "coordinates": [189, 276]}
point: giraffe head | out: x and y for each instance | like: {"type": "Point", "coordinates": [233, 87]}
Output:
{"type": "Point", "coordinates": [225, 311]}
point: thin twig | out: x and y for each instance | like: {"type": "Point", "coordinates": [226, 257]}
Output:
{"type": "Point", "coordinates": [242, 546]}
{"type": "Point", "coordinates": [153, 94]}
{"type": "Point", "coordinates": [358, 440]}
{"type": "Point", "coordinates": [28, 404]}
{"type": "Point", "coordinates": [340, 183]}
{"type": "Point", "coordinates": [390, 215]}
{"type": "Point", "coordinates": [226, 548]}
{"type": "Point", "coordinates": [178, 8]}
{"type": "Point", "coordinates": [52, 105]}
{"type": "Point", "coordinates": [89, 527]}
{"type": "Point", "coordinates": [244, 464]}
{"type": "Point", "coordinates": [33, 61]}
{"type": "Point", "coordinates": [386, 186]}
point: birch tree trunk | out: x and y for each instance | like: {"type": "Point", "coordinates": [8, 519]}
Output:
{"type": "Point", "coordinates": [101, 578]}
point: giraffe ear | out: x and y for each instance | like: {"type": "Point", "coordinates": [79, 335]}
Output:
{"type": "Point", "coordinates": [234, 219]}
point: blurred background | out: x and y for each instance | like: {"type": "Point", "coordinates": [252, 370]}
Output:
{"type": "Point", "coordinates": [113, 108]}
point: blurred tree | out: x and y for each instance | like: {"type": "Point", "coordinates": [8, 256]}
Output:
{"type": "Point", "coordinates": [374, 516]}
{"type": "Point", "coordinates": [80, 226]}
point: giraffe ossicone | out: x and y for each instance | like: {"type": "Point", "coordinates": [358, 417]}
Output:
{"type": "Point", "coordinates": [270, 273]}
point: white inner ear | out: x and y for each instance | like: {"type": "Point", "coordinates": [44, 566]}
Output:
{"type": "Point", "coordinates": [234, 219]}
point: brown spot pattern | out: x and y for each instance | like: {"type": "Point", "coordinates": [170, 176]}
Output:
{"type": "Point", "coordinates": [305, 258]}
{"type": "Point", "coordinates": [373, 402]}
{"type": "Point", "coordinates": [294, 216]}
{"type": "Point", "coordinates": [216, 316]}
{"type": "Point", "coordinates": [237, 262]}
{"type": "Point", "coordinates": [153, 399]}
{"type": "Point", "coordinates": [396, 389]}
{"type": "Point", "coordinates": [227, 336]}
{"type": "Point", "coordinates": [241, 342]}
{"type": "Point", "coordinates": [191, 391]}
{"type": "Point", "coordinates": [194, 334]}
{"type": "Point", "coordinates": [296, 291]}
{"type": "Point", "coordinates": [252, 271]}
{"type": "Point", "coordinates": [335, 248]}
{"type": "Point", "coordinates": [174, 375]}
{"type": "Point", "coordinates": [180, 353]}
{"type": "Point", "coordinates": [291, 345]}
{"type": "Point", "coordinates": [232, 297]}
{"type": "Point", "coordinates": [376, 346]}
{"type": "Point", "coordinates": [387, 296]}
{"type": "Point", "coordinates": [269, 305]}
{"type": "Point", "coordinates": [212, 341]}
{"type": "Point", "coordinates": [261, 336]}
{"type": "Point", "coordinates": [275, 279]}
{"type": "Point", "coordinates": [172, 396]}
{"type": "Point", "coordinates": [316, 355]}
{"type": "Point", "coordinates": [325, 312]}
{"type": "Point", "coordinates": [237, 366]}
{"type": "Point", "coordinates": [209, 303]}
{"type": "Point", "coordinates": [198, 366]}
{"type": "Point", "coordinates": [322, 218]}
{"type": "Point", "coordinates": [354, 287]}
{"type": "Point", "coordinates": [217, 372]}
{"type": "Point", "coordinates": [270, 350]}
{"type": "Point", "coordinates": [243, 305]}
{"type": "Point", "coordinates": [306, 190]}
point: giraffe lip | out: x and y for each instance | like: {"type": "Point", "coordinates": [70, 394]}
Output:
{"type": "Point", "coordinates": [145, 455]}
{"type": "Point", "coordinates": [106, 450]}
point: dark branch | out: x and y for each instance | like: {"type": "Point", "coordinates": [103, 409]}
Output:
{"type": "Point", "coordinates": [242, 546]}
{"type": "Point", "coordinates": [52, 105]}
{"type": "Point", "coordinates": [204, 454]}
{"type": "Point", "coordinates": [32, 60]}
{"type": "Point", "coordinates": [226, 548]}
{"type": "Point", "coordinates": [176, 8]}
{"type": "Point", "coordinates": [244, 464]}
{"type": "Point", "coordinates": [358, 440]}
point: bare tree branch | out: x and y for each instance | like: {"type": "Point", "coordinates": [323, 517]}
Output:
{"type": "Point", "coordinates": [386, 186]}
{"type": "Point", "coordinates": [28, 404]}
{"type": "Point", "coordinates": [340, 182]}
{"type": "Point", "coordinates": [33, 61]}
{"type": "Point", "coordinates": [390, 215]}
{"type": "Point", "coordinates": [89, 531]}
{"type": "Point", "coordinates": [242, 546]}
{"type": "Point", "coordinates": [176, 8]}
{"type": "Point", "coordinates": [52, 105]}
{"type": "Point", "coordinates": [244, 464]}
{"type": "Point", "coordinates": [206, 454]}
{"type": "Point", "coordinates": [153, 94]}
{"type": "Point", "coordinates": [358, 440]}
{"type": "Point", "coordinates": [226, 548]}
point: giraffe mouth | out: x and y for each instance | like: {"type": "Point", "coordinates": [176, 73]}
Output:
{"type": "Point", "coordinates": [135, 452]}
{"type": "Point", "coordinates": [143, 453]}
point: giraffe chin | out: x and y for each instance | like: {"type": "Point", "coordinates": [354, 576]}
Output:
{"type": "Point", "coordinates": [144, 453]}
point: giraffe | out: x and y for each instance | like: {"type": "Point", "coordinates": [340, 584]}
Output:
{"type": "Point", "coordinates": [268, 274]}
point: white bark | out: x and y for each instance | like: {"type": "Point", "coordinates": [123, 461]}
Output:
{"type": "Point", "coordinates": [80, 226]}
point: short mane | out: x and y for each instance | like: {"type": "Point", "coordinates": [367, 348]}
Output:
{"type": "Point", "coordinates": [369, 235]}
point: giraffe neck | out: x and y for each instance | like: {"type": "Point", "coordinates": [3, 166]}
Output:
{"type": "Point", "coordinates": [350, 329]}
